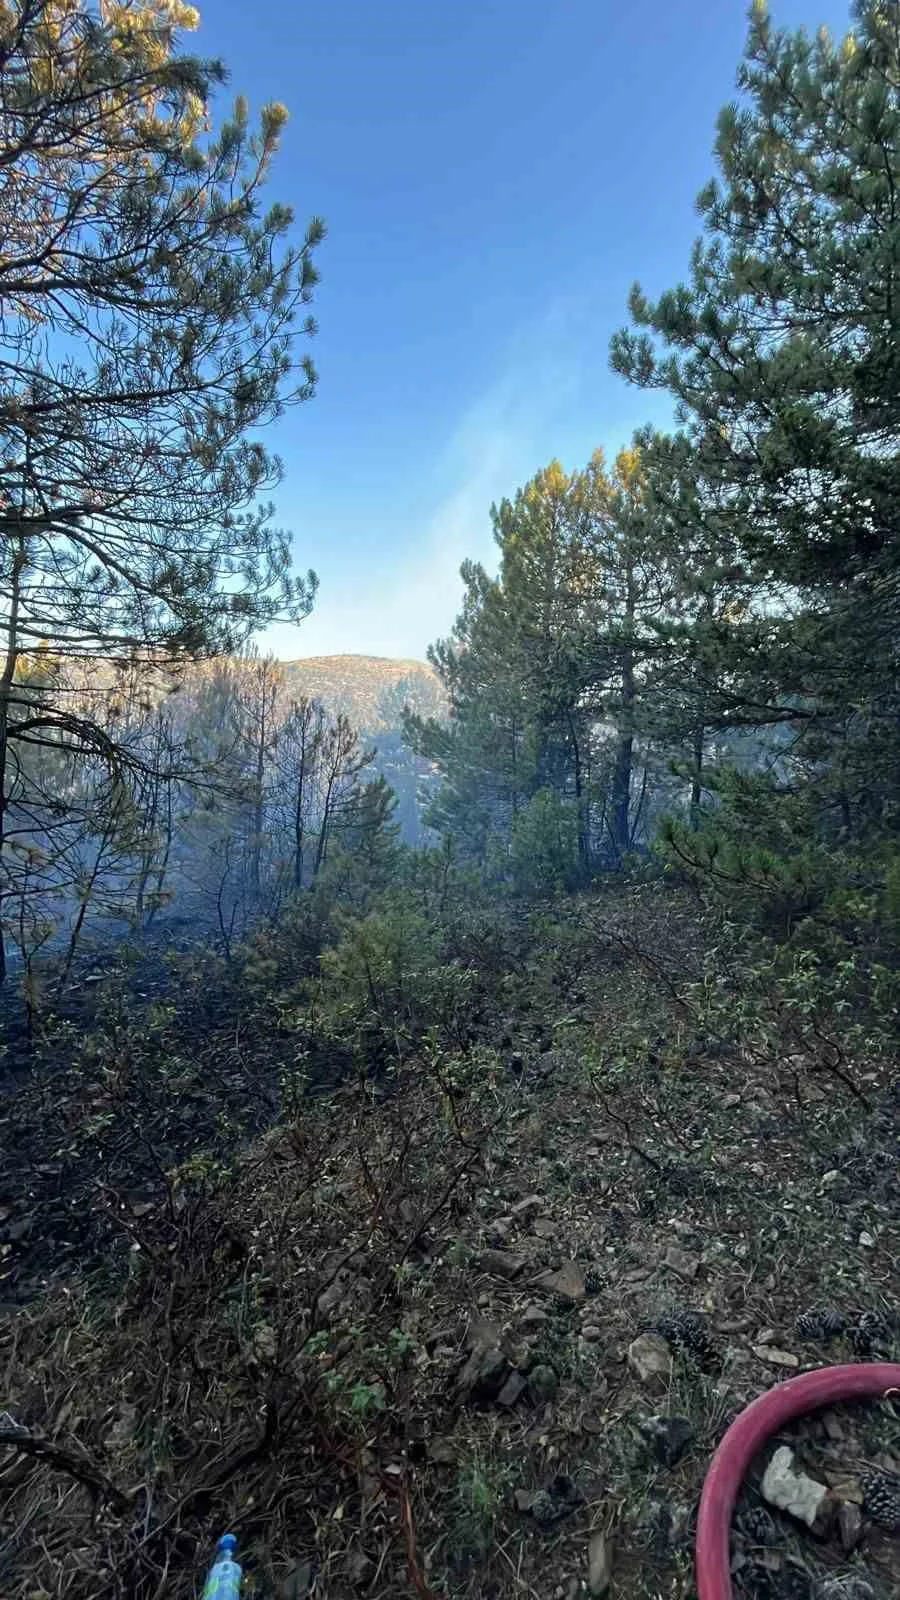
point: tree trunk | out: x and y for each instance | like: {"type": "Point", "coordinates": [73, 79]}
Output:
{"type": "Point", "coordinates": [697, 774]}
{"type": "Point", "coordinates": [7, 679]}
{"type": "Point", "coordinates": [620, 798]}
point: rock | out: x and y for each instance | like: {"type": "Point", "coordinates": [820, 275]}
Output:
{"type": "Point", "coordinates": [523, 1499]}
{"type": "Point", "coordinates": [650, 1359]}
{"type": "Point", "coordinates": [849, 1521]}
{"type": "Point", "coordinates": [774, 1356]}
{"type": "Point", "coordinates": [529, 1207]}
{"type": "Point", "coordinates": [482, 1334]}
{"type": "Point", "coordinates": [867, 1240]}
{"type": "Point", "coordinates": [533, 1317]}
{"type": "Point", "coordinates": [543, 1383]}
{"type": "Point", "coordinates": [600, 1564]}
{"type": "Point", "coordinates": [801, 1496]}
{"type": "Point", "coordinates": [568, 1282]}
{"type": "Point", "coordinates": [669, 1436]}
{"type": "Point", "coordinates": [483, 1375]}
{"type": "Point", "coordinates": [512, 1390]}
{"type": "Point", "coordinates": [501, 1263]}
{"type": "Point", "coordinates": [497, 1235]}
{"type": "Point", "coordinates": [591, 1333]}
{"type": "Point", "coordinates": [682, 1262]}
{"type": "Point", "coordinates": [544, 1228]}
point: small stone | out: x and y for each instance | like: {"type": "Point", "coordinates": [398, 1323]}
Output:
{"type": "Point", "coordinates": [867, 1240]}
{"type": "Point", "coordinates": [482, 1333]}
{"type": "Point", "coordinates": [795, 1492]}
{"type": "Point", "coordinates": [483, 1375]}
{"type": "Point", "coordinates": [774, 1356]}
{"type": "Point", "coordinates": [591, 1333]}
{"type": "Point", "coordinates": [669, 1436]}
{"type": "Point", "coordinates": [498, 1233]}
{"type": "Point", "coordinates": [849, 1522]}
{"type": "Point", "coordinates": [512, 1390]}
{"type": "Point", "coordinates": [600, 1564]}
{"type": "Point", "coordinates": [650, 1359]}
{"type": "Point", "coordinates": [543, 1383]}
{"type": "Point", "coordinates": [529, 1207]}
{"type": "Point", "coordinates": [501, 1263]}
{"type": "Point", "coordinates": [682, 1262]}
{"type": "Point", "coordinates": [544, 1228]}
{"type": "Point", "coordinates": [533, 1316]}
{"type": "Point", "coordinates": [567, 1282]}
{"type": "Point", "coordinates": [523, 1499]}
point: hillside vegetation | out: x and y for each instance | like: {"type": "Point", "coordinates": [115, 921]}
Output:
{"type": "Point", "coordinates": [361, 686]}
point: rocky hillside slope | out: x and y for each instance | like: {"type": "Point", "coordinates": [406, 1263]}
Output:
{"type": "Point", "coordinates": [363, 687]}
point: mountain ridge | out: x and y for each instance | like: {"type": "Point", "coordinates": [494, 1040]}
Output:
{"type": "Point", "coordinates": [360, 685]}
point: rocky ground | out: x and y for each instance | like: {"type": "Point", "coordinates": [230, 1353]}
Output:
{"type": "Point", "coordinates": [479, 1335]}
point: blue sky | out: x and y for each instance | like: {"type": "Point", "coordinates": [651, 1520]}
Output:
{"type": "Point", "coordinates": [494, 175]}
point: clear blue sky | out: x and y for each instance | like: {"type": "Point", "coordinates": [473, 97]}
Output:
{"type": "Point", "coordinates": [494, 174]}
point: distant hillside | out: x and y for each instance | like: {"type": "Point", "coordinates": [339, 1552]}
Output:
{"type": "Point", "coordinates": [365, 688]}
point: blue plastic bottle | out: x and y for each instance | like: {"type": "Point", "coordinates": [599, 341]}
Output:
{"type": "Point", "coordinates": [224, 1581]}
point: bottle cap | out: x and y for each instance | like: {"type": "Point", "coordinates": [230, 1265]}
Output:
{"type": "Point", "coordinates": [227, 1544]}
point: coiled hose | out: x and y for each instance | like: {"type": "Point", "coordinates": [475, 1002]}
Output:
{"type": "Point", "coordinates": [827, 1386]}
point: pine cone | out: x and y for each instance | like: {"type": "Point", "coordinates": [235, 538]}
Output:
{"type": "Point", "coordinates": [820, 1323]}
{"type": "Point", "coordinates": [757, 1526]}
{"type": "Point", "coordinates": [685, 1331]}
{"type": "Point", "coordinates": [881, 1498]}
{"type": "Point", "coordinates": [545, 1510]}
{"type": "Point", "coordinates": [868, 1333]}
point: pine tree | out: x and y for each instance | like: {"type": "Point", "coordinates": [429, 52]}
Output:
{"type": "Point", "coordinates": [148, 329]}
{"type": "Point", "coordinates": [783, 356]}
{"type": "Point", "coordinates": [547, 668]}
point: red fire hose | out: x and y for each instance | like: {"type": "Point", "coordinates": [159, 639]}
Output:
{"type": "Point", "coordinates": [748, 1433]}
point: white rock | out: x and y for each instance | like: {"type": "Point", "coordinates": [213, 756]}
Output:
{"type": "Point", "coordinates": [650, 1359]}
{"type": "Point", "coordinates": [794, 1492]}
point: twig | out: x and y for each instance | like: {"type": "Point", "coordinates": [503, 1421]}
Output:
{"type": "Point", "coordinates": [74, 1463]}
